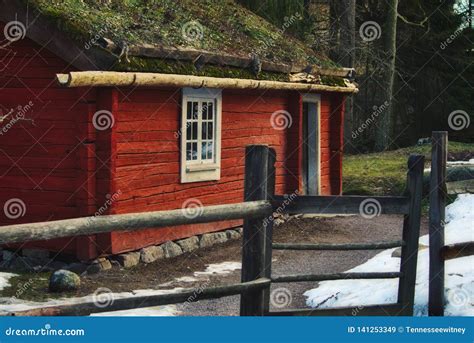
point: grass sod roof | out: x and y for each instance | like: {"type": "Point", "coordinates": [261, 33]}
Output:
{"type": "Point", "coordinates": [217, 25]}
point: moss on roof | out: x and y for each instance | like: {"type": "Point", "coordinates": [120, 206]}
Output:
{"type": "Point", "coordinates": [213, 25]}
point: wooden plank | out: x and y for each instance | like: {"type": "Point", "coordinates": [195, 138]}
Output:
{"type": "Point", "coordinates": [256, 251]}
{"type": "Point", "coordinates": [437, 214]}
{"type": "Point", "coordinates": [130, 222]}
{"type": "Point", "coordinates": [129, 303]}
{"type": "Point", "coordinates": [371, 310]}
{"type": "Point", "coordinates": [411, 233]}
{"type": "Point", "coordinates": [335, 276]}
{"type": "Point", "coordinates": [448, 252]}
{"type": "Point", "coordinates": [350, 204]}
{"type": "Point", "coordinates": [345, 246]}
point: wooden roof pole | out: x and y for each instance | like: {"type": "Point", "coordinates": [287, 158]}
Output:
{"type": "Point", "coordinates": [126, 79]}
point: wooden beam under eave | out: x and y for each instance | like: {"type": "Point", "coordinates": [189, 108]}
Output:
{"type": "Point", "coordinates": [128, 79]}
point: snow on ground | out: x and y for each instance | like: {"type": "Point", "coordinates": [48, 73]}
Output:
{"type": "Point", "coordinates": [459, 280]}
{"type": "Point", "coordinates": [220, 268]}
{"type": "Point", "coordinates": [103, 298]}
{"type": "Point", "coordinates": [106, 296]}
{"type": "Point", "coordinates": [4, 277]}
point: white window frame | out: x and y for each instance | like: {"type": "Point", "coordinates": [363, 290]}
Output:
{"type": "Point", "coordinates": [197, 171]}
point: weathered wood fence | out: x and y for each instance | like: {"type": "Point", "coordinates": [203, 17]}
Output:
{"type": "Point", "coordinates": [257, 212]}
{"type": "Point", "coordinates": [438, 251]}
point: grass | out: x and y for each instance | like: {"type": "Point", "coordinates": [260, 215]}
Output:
{"type": "Point", "coordinates": [385, 173]}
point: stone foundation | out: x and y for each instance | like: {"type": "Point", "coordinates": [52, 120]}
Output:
{"type": "Point", "coordinates": [35, 260]}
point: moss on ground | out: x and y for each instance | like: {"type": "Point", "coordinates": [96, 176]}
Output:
{"type": "Point", "coordinates": [385, 173]}
{"type": "Point", "coordinates": [31, 287]}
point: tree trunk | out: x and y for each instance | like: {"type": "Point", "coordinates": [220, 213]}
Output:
{"type": "Point", "coordinates": [383, 137]}
{"type": "Point", "coordinates": [347, 58]}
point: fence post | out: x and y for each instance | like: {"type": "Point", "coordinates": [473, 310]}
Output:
{"type": "Point", "coordinates": [257, 234]}
{"type": "Point", "coordinates": [411, 233]}
{"type": "Point", "coordinates": [439, 141]}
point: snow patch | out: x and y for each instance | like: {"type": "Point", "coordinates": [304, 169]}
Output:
{"type": "Point", "coordinates": [459, 280]}
{"type": "Point", "coordinates": [220, 268]}
{"type": "Point", "coordinates": [4, 279]}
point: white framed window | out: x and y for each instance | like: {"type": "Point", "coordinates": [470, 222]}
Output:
{"type": "Point", "coordinates": [201, 134]}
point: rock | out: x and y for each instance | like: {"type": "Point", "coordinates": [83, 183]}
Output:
{"type": "Point", "coordinates": [8, 255]}
{"type": "Point", "coordinates": [64, 280]}
{"type": "Point", "coordinates": [37, 254]}
{"type": "Point", "coordinates": [151, 254]}
{"type": "Point", "coordinates": [189, 244]}
{"type": "Point", "coordinates": [128, 260]}
{"type": "Point", "coordinates": [209, 239]}
{"type": "Point", "coordinates": [99, 265]}
{"type": "Point", "coordinates": [232, 234]}
{"type": "Point", "coordinates": [398, 251]}
{"type": "Point", "coordinates": [240, 230]}
{"type": "Point", "coordinates": [171, 249]}
{"type": "Point", "coordinates": [77, 267]}
{"type": "Point", "coordinates": [24, 264]}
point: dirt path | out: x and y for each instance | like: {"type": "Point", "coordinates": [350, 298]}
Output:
{"type": "Point", "coordinates": [179, 272]}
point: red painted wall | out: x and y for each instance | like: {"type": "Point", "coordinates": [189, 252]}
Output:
{"type": "Point", "coordinates": [60, 166]}
{"type": "Point", "coordinates": [39, 154]}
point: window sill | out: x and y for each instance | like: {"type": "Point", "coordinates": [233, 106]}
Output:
{"type": "Point", "coordinates": [201, 167]}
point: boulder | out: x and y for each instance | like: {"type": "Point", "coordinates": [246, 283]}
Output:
{"type": "Point", "coordinates": [171, 249]}
{"type": "Point", "coordinates": [232, 234]}
{"type": "Point", "coordinates": [99, 265]}
{"type": "Point", "coordinates": [128, 260]}
{"type": "Point", "coordinates": [64, 280]}
{"type": "Point", "coordinates": [210, 239]}
{"type": "Point", "coordinates": [189, 244]}
{"type": "Point", "coordinates": [151, 254]}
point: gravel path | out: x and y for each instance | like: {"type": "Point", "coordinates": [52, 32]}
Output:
{"type": "Point", "coordinates": [311, 230]}
{"type": "Point", "coordinates": [179, 272]}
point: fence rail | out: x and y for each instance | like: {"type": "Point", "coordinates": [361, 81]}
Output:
{"type": "Point", "coordinates": [256, 278]}
{"type": "Point", "coordinates": [338, 246]}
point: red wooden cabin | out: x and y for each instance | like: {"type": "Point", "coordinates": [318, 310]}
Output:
{"type": "Point", "coordinates": [110, 146]}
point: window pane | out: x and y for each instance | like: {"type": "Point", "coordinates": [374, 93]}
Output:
{"type": "Point", "coordinates": [210, 110]}
{"type": "Point", "coordinates": [204, 151]}
{"type": "Point", "coordinates": [195, 130]}
{"type": "Point", "coordinates": [188, 131]}
{"type": "Point", "coordinates": [194, 151]}
{"type": "Point", "coordinates": [210, 131]}
{"type": "Point", "coordinates": [189, 152]}
{"type": "Point", "coordinates": [195, 110]}
{"type": "Point", "coordinates": [204, 110]}
{"type": "Point", "coordinates": [189, 110]}
{"type": "Point", "coordinates": [210, 150]}
{"type": "Point", "coordinates": [204, 130]}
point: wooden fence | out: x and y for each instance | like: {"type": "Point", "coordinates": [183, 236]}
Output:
{"type": "Point", "coordinates": [257, 212]}
{"type": "Point", "coordinates": [439, 252]}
